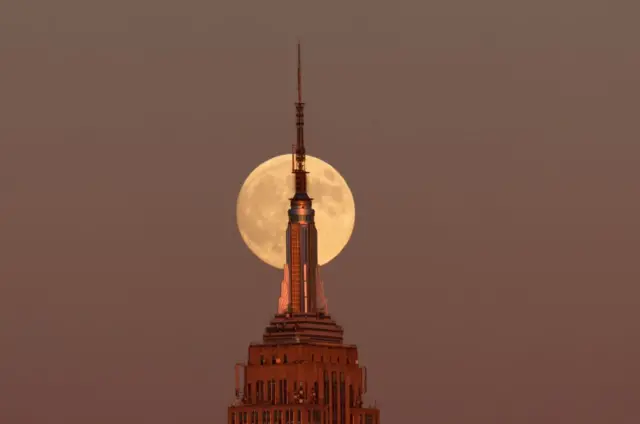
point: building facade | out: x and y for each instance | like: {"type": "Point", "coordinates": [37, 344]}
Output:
{"type": "Point", "coordinates": [302, 372]}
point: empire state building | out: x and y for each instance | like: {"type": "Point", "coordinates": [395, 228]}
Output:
{"type": "Point", "coordinates": [302, 372]}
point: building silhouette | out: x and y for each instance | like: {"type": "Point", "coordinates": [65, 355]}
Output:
{"type": "Point", "coordinates": [302, 372]}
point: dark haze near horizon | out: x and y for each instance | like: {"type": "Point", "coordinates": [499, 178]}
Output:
{"type": "Point", "coordinates": [493, 149]}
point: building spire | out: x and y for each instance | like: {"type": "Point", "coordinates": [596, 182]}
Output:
{"type": "Point", "coordinates": [299, 153]}
{"type": "Point", "coordinates": [299, 291]}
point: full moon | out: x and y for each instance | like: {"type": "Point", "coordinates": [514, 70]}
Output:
{"type": "Point", "coordinates": [263, 203]}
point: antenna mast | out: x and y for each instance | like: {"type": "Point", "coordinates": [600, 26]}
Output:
{"type": "Point", "coordinates": [299, 152]}
{"type": "Point", "coordinates": [299, 76]}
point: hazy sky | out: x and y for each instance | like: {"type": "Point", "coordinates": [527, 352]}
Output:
{"type": "Point", "coordinates": [493, 148]}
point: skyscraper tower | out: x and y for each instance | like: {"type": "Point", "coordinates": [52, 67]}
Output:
{"type": "Point", "coordinates": [302, 236]}
{"type": "Point", "coordinates": [302, 372]}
